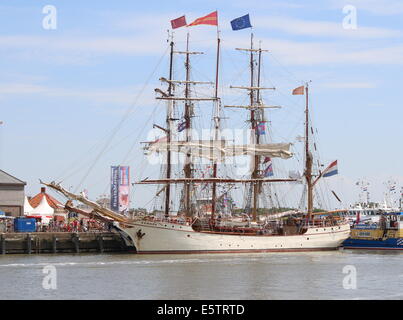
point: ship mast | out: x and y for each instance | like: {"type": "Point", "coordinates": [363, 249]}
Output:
{"type": "Point", "coordinates": [169, 130]}
{"type": "Point", "coordinates": [256, 115]}
{"type": "Point", "coordinates": [188, 105]}
{"type": "Point", "coordinates": [308, 159]}
{"type": "Point", "coordinates": [256, 136]}
{"type": "Point", "coordinates": [187, 120]}
{"type": "Point", "coordinates": [216, 128]}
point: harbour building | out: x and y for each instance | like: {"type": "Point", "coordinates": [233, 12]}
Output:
{"type": "Point", "coordinates": [12, 192]}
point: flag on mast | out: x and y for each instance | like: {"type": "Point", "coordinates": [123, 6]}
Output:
{"type": "Point", "coordinates": [178, 22]}
{"type": "Point", "coordinates": [268, 172]}
{"type": "Point", "coordinates": [331, 170]}
{"type": "Point", "coordinates": [182, 126]}
{"type": "Point", "coordinates": [261, 128]}
{"type": "Point", "coordinates": [241, 23]}
{"type": "Point", "coordinates": [211, 19]}
{"type": "Point", "coordinates": [299, 90]}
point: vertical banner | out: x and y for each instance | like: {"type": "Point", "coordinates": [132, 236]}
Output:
{"type": "Point", "coordinates": [124, 184]}
{"type": "Point", "coordinates": [115, 188]}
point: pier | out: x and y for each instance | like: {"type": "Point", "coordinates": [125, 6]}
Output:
{"type": "Point", "coordinates": [62, 242]}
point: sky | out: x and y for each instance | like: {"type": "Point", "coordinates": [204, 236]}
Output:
{"type": "Point", "coordinates": [79, 98]}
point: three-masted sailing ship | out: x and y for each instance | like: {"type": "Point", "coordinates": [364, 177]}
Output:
{"type": "Point", "coordinates": [192, 231]}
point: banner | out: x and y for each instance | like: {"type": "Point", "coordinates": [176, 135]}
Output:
{"type": "Point", "coordinates": [120, 188]}
{"type": "Point", "coordinates": [124, 184]}
{"type": "Point", "coordinates": [115, 188]}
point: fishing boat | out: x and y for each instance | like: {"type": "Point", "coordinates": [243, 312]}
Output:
{"type": "Point", "coordinates": [366, 211]}
{"type": "Point", "coordinates": [387, 234]}
{"type": "Point", "coordinates": [211, 230]}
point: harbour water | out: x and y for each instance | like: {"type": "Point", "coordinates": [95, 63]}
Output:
{"type": "Point", "coordinates": [312, 275]}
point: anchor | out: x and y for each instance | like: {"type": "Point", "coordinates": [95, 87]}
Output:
{"type": "Point", "coordinates": [140, 234]}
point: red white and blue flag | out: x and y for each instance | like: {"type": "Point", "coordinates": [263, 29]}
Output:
{"type": "Point", "coordinates": [331, 170]}
{"type": "Point", "coordinates": [261, 128]}
{"type": "Point", "coordinates": [268, 172]}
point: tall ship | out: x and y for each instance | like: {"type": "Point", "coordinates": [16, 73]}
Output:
{"type": "Point", "coordinates": [200, 220]}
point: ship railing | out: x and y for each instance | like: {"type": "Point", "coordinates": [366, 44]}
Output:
{"type": "Point", "coordinates": [321, 223]}
{"type": "Point", "coordinates": [174, 220]}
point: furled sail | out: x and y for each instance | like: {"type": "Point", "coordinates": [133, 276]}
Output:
{"type": "Point", "coordinates": [273, 150]}
{"type": "Point", "coordinates": [217, 149]}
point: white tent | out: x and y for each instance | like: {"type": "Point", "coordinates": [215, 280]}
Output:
{"type": "Point", "coordinates": [27, 206]}
{"type": "Point", "coordinates": [43, 211]}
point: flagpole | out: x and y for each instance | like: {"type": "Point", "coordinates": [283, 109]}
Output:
{"type": "Point", "coordinates": [169, 129]}
{"type": "Point", "coordinates": [308, 158]}
{"type": "Point", "coordinates": [187, 167]}
{"type": "Point", "coordinates": [216, 125]}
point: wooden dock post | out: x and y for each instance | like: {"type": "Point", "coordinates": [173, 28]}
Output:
{"type": "Point", "coordinates": [3, 244]}
{"type": "Point", "coordinates": [76, 241]}
{"type": "Point", "coordinates": [29, 243]}
{"type": "Point", "coordinates": [101, 243]}
{"type": "Point", "coordinates": [54, 244]}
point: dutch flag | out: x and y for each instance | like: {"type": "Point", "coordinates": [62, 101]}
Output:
{"type": "Point", "coordinates": [331, 170]}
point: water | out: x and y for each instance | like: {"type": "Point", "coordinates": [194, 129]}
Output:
{"type": "Point", "coordinates": [312, 275]}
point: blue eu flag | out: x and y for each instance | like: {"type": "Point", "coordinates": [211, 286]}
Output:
{"type": "Point", "coordinates": [241, 23]}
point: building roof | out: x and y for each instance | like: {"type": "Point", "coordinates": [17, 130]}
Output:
{"type": "Point", "coordinates": [42, 209]}
{"type": "Point", "coordinates": [6, 178]}
{"type": "Point", "coordinates": [35, 201]}
{"type": "Point", "coordinates": [27, 206]}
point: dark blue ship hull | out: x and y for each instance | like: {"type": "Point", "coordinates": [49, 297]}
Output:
{"type": "Point", "coordinates": [388, 244]}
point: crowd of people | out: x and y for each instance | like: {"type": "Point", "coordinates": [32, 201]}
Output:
{"type": "Point", "coordinates": [69, 225]}
{"type": "Point", "coordinates": [73, 225]}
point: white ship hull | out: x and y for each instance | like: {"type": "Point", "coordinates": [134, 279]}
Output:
{"type": "Point", "coordinates": [164, 237]}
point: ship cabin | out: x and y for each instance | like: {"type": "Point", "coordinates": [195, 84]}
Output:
{"type": "Point", "coordinates": [390, 226]}
{"type": "Point", "coordinates": [394, 220]}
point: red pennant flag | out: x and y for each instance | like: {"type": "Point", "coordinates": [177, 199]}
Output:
{"type": "Point", "coordinates": [299, 90]}
{"type": "Point", "coordinates": [179, 22]}
{"type": "Point", "coordinates": [211, 19]}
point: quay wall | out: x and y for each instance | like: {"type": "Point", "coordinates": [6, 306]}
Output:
{"type": "Point", "coordinates": [62, 242]}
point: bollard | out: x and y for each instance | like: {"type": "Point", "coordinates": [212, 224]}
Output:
{"type": "Point", "coordinates": [101, 244]}
{"type": "Point", "coordinates": [54, 244]}
{"type": "Point", "coordinates": [29, 243]}
{"type": "Point", "coordinates": [76, 241]}
{"type": "Point", "coordinates": [3, 244]}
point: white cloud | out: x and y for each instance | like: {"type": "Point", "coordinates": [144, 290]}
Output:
{"type": "Point", "coordinates": [321, 28]}
{"type": "Point", "coordinates": [349, 85]}
{"type": "Point", "coordinates": [318, 53]}
{"type": "Point", "coordinates": [375, 7]}
{"type": "Point", "coordinates": [122, 96]}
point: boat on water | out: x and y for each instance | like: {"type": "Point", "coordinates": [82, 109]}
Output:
{"type": "Point", "coordinates": [366, 211]}
{"type": "Point", "coordinates": [193, 231]}
{"type": "Point", "coordinates": [363, 212]}
{"type": "Point", "coordinates": [387, 234]}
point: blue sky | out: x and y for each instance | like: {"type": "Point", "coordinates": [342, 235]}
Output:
{"type": "Point", "coordinates": [67, 94]}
